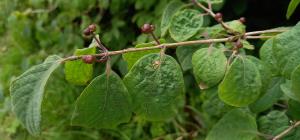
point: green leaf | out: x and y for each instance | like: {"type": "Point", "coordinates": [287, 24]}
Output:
{"type": "Point", "coordinates": [293, 109]}
{"type": "Point", "coordinates": [292, 7]}
{"type": "Point", "coordinates": [132, 57]}
{"type": "Point", "coordinates": [287, 50]}
{"type": "Point", "coordinates": [274, 120]}
{"type": "Point", "coordinates": [266, 54]}
{"type": "Point", "coordinates": [185, 53]}
{"type": "Point", "coordinates": [104, 103]}
{"type": "Point", "coordinates": [168, 13]}
{"type": "Point", "coordinates": [218, 31]}
{"type": "Point", "coordinates": [156, 86]}
{"type": "Point", "coordinates": [241, 84]}
{"type": "Point", "coordinates": [212, 105]}
{"type": "Point", "coordinates": [78, 72]}
{"type": "Point", "coordinates": [287, 90]}
{"type": "Point", "coordinates": [185, 24]}
{"type": "Point", "coordinates": [209, 66]}
{"type": "Point", "coordinates": [295, 78]}
{"type": "Point", "coordinates": [264, 71]}
{"type": "Point", "coordinates": [272, 95]}
{"type": "Point", "coordinates": [235, 125]}
{"type": "Point", "coordinates": [27, 93]}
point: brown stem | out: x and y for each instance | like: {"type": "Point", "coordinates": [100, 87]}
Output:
{"type": "Point", "coordinates": [173, 45]}
{"type": "Point", "coordinates": [286, 131]}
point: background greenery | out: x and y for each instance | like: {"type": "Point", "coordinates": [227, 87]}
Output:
{"type": "Point", "coordinates": [30, 30]}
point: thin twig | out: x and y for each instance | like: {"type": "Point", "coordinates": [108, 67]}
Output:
{"type": "Point", "coordinates": [286, 131]}
{"type": "Point", "coordinates": [173, 45]}
{"type": "Point", "coordinates": [266, 31]}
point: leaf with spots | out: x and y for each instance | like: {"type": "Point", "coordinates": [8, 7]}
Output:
{"type": "Point", "coordinates": [235, 125]}
{"type": "Point", "coordinates": [156, 87]}
{"type": "Point", "coordinates": [78, 72]}
{"type": "Point", "coordinates": [270, 123]}
{"type": "Point", "coordinates": [104, 103]}
{"type": "Point", "coordinates": [185, 24]}
{"type": "Point", "coordinates": [209, 66]}
{"type": "Point", "coordinates": [241, 84]}
{"type": "Point", "coordinates": [27, 93]}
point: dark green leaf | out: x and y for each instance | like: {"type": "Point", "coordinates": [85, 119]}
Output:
{"type": "Point", "coordinates": [185, 24]}
{"type": "Point", "coordinates": [242, 83]}
{"type": "Point", "coordinates": [77, 72]}
{"type": "Point", "coordinates": [274, 120]}
{"type": "Point", "coordinates": [209, 66]}
{"type": "Point", "coordinates": [269, 98]}
{"type": "Point", "coordinates": [287, 90]}
{"type": "Point", "coordinates": [295, 78]}
{"type": "Point", "coordinates": [104, 103]}
{"type": "Point", "coordinates": [235, 125]}
{"type": "Point", "coordinates": [27, 93]}
{"type": "Point", "coordinates": [156, 86]}
{"type": "Point", "coordinates": [293, 109]}
{"type": "Point", "coordinates": [184, 55]}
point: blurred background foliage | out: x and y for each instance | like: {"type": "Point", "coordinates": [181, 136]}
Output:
{"type": "Point", "coordinates": [30, 30]}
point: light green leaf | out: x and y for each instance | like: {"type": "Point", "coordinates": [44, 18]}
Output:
{"type": "Point", "coordinates": [287, 50]}
{"type": "Point", "coordinates": [241, 84]}
{"type": "Point", "coordinates": [266, 54]}
{"type": "Point", "coordinates": [292, 7]}
{"type": "Point", "coordinates": [218, 31]}
{"type": "Point", "coordinates": [78, 72]}
{"type": "Point", "coordinates": [235, 125]}
{"type": "Point", "coordinates": [271, 96]}
{"type": "Point", "coordinates": [185, 24]}
{"type": "Point", "coordinates": [156, 86]}
{"type": "Point", "coordinates": [274, 120]}
{"type": "Point", "coordinates": [264, 71]}
{"type": "Point", "coordinates": [209, 66]}
{"type": "Point", "coordinates": [132, 57]}
{"type": "Point", "coordinates": [168, 13]}
{"type": "Point", "coordinates": [104, 103]}
{"type": "Point", "coordinates": [27, 93]}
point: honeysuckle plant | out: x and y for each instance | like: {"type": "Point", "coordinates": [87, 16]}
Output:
{"type": "Point", "coordinates": [238, 85]}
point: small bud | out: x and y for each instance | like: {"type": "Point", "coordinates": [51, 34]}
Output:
{"type": "Point", "coordinates": [88, 59]}
{"type": "Point", "coordinates": [147, 28]}
{"type": "Point", "coordinates": [242, 20]}
{"type": "Point", "coordinates": [89, 30]}
{"type": "Point", "coordinates": [218, 17]}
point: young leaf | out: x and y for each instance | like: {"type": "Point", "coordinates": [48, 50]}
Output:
{"type": "Point", "coordinates": [292, 7]}
{"type": "Point", "coordinates": [185, 24]}
{"type": "Point", "coordinates": [271, 96]}
{"type": "Point", "coordinates": [235, 125]}
{"type": "Point", "coordinates": [209, 66]}
{"type": "Point", "coordinates": [168, 13]}
{"type": "Point", "coordinates": [132, 57]}
{"type": "Point", "coordinates": [156, 86]}
{"type": "Point", "coordinates": [287, 50]}
{"type": "Point", "coordinates": [273, 121]}
{"type": "Point", "coordinates": [216, 4]}
{"type": "Point", "coordinates": [104, 103]}
{"type": "Point", "coordinates": [77, 72]}
{"type": "Point", "coordinates": [27, 93]}
{"type": "Point", "coordinates": [241, 84]}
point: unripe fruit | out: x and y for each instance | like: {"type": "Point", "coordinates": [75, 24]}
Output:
{"type": "Point", "coordinates": [218, 17]}
{"type": "Point", "coordinates": [147, 28]}
{"type": "Point", "coordinates": [242, 20]}
{"type": "Point", "coordinates": [239, 44]}
{"type": "Point", "coordinates": [88, 59]}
